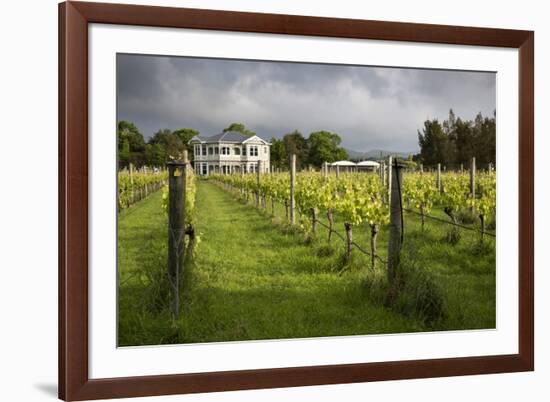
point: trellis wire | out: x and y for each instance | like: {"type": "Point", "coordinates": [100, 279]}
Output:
{"type": "Point", "coordinates": [449, 222]}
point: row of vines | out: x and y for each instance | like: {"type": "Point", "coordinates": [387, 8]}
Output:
{"type": "Point", "coordinates": [362, 199]}
{"type": "Point", "coordinates": [134, 187]}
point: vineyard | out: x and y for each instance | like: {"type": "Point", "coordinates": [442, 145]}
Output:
{"type": "Point", "coordinates": [362, 200]}
{"type": "Point", "coordinates": [282, 255]}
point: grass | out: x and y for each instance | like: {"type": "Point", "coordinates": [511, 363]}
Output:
{"type": "Point", "coordinates": [255, 278]}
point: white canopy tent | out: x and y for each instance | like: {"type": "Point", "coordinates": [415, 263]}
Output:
{"type": "Point", "coordinates": [344, 166]}
{"type": "Point", "coordinates": [368, 165]}
{"type": "Point", "coordinates": [343, 163]}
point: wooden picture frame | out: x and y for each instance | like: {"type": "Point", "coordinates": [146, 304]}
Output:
{"type": "Point", "coordinates": [74, 381]}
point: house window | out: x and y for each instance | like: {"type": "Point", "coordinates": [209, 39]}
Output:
{"type": "Point", "coordinates": [237, 151]}
{"type": "Point", "coordinates": [210, 151]}
{"type": "Point", "coordinates": [265, 150]}
{"type": "Point", "coordinates": [204, 168]}
{"type": "Point", "coordinates": [203, 150]}
{"type": "Point", "coordinates": [244, 150]}
{"type": "Point", "coordinates": [216, 151]}
{"type": "Point", "coordinates": [254, 151]}
{"type": "Point", "coordinates": [197, 150]}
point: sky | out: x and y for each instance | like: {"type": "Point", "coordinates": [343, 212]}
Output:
{"type": "Point", "coordinates": [369, 107]}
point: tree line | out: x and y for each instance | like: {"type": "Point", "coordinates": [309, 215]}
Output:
{"type": "Point", "coordinates": [456, 141]}
{"type": "Point", "coordinates": [317, 148]}
{"type": "Point", "coordinates": [452, 143]}
{"type": "Point", "coordinates": [161, 147]}
{"type": "Point", "coordinates": [165, 144]}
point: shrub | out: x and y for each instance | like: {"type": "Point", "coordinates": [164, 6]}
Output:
{"type": "Point", "coordinates": [376, 286]}
{"type": "Point", "coordinates": [467, 217]}
{"type": "Point", "coordinates": [153, 274]}
{"type": "Point", "coordinates": [481, 248]}
{"type": "Point", "coordinates": [415, 293]}
{"type": "Point", "coordinates": [453, 236]}
{"type": "Point", "coordinates": [325, 250]}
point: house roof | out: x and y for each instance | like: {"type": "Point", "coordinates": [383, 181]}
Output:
{"type": "Point", "coordinates": [228, 136]}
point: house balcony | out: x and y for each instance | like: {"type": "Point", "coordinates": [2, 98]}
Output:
{"type": "Point", "coordinates": [229, 158]}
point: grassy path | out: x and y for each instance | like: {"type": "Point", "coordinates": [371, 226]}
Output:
{"type": "Point", "coordinates": [253, 280]}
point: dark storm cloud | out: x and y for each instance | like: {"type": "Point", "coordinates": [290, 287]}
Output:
{"type": "Point", "coordinates": [370, 107]}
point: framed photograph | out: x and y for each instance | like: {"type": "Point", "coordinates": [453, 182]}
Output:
{"type": "Point", "coordinates": [260, 200]}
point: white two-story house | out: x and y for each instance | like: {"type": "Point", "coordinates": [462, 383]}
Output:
{"type": "Point", "coordinates": [230, 152]}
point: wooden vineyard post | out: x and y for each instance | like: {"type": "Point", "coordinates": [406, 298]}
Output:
{"type": "Point", "coordinates": [390, 163]}
{"type": "Point", "coordinates": [313, 221]}
{"type": "Point", "coordinates": [337, 171]}
{"type": "Point", "coordinates": [258, 184]}
{"type": "Point", "coordinates": [292, 189]}
{"type": "Point", "coordinates": [421, 168]}
{"type": "Point", "coordinates": [473, 180]}
{"type": "Point", "coordinates": [349, 240]}
{"type": "Point", "coordinates": [395, 229]}
{"type": "Point", "coordinates": [325, 169]}
{"type": "Point", "coordinates": [131, 173]}
{"type": "Point", "coordinates": [176, 227]}
{"type": "Point", "coordinates": [438, 178]}
{"type": "Point", "coordinates": [373, 252]}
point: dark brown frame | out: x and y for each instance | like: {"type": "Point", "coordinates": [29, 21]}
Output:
{"type": "Point", "coordinates": [74, 18]}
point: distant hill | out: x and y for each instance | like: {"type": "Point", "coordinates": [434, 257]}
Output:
{"type": "Point", "coordinates": [376, 154]}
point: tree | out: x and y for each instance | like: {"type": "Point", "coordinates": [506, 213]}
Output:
{"type": "Point", "coordinates": [324, 146]}
{"type": "Point", "coordinates": [490, 140]}
{"type": "Point", "coordinates": [130, 144]}
{"type": "Point", "coordinates": [240, 128]}
{"type": "Point", "coordinates": [464, 142]}
{"type": "Point", "coordinates": [295, 143]}
{"type": "Point", "coordinates": [279, 155]}
{"type": "Point", "coordinates": [124, 152]}
{"type": "Point", "coordinates": [185, 135]}
{"type": "Point", "coordinates": [435, 145]}
{"type": "Point", "coordinates": [456, 141]}
{"type": "Point", "coordinates": [155, 155]}
{"type": "Point", "coordinates": [161, 147]}
{"type": "Point", "coordinates": [170, 143]}
{"type": "Point", "coordinates": [449, 125]}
